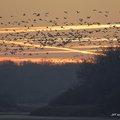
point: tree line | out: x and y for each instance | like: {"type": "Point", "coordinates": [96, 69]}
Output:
{"type": "Point", "coordinates": [35, 83]}
{"type": "Point", "coordinates": [98, 84]}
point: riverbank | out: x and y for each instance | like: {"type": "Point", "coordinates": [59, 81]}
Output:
{"type": "Point", "coordinates": [72, 111]}
{"type": "Point", "coordinates": [66, 111]}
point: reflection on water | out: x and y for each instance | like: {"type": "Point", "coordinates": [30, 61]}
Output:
{"type": "Point", "coordinates": [26, 117]}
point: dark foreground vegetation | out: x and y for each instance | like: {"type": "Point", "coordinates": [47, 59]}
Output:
{"type": "Point", "coordinates": [32, 83]}
{"type": "Point", "coordinates": [97, 92]}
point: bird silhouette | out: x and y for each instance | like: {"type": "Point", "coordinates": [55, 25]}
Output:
{"type": "Point", "coordinates": [58, 38]}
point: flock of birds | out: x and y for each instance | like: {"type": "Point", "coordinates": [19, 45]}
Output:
{"type": "Point", "coordinates": [15, 42]}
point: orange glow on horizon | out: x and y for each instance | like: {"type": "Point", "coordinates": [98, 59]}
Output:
{"type": "Point", "coordinates": [82, 49]}
{"type": "Point", "coordinates": [53, 61]}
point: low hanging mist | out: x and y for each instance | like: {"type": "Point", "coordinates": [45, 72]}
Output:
{"type": "Point", "coordinates": [35, 83]}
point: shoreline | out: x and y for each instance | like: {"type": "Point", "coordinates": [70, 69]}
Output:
{"type": "Point", "coordinates": [27, 117]}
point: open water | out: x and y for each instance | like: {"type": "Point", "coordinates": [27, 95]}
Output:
{"type": "Point", "coordinates": [27, 117]}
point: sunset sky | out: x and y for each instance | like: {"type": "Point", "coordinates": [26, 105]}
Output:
{"type": "Point", "coordinates": [74, 29]}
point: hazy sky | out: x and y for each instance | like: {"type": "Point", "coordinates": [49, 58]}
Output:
{"type": "Point", "coordinates": [17, 6]}
{"type": "Point", "coordinates": [56, 9]}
